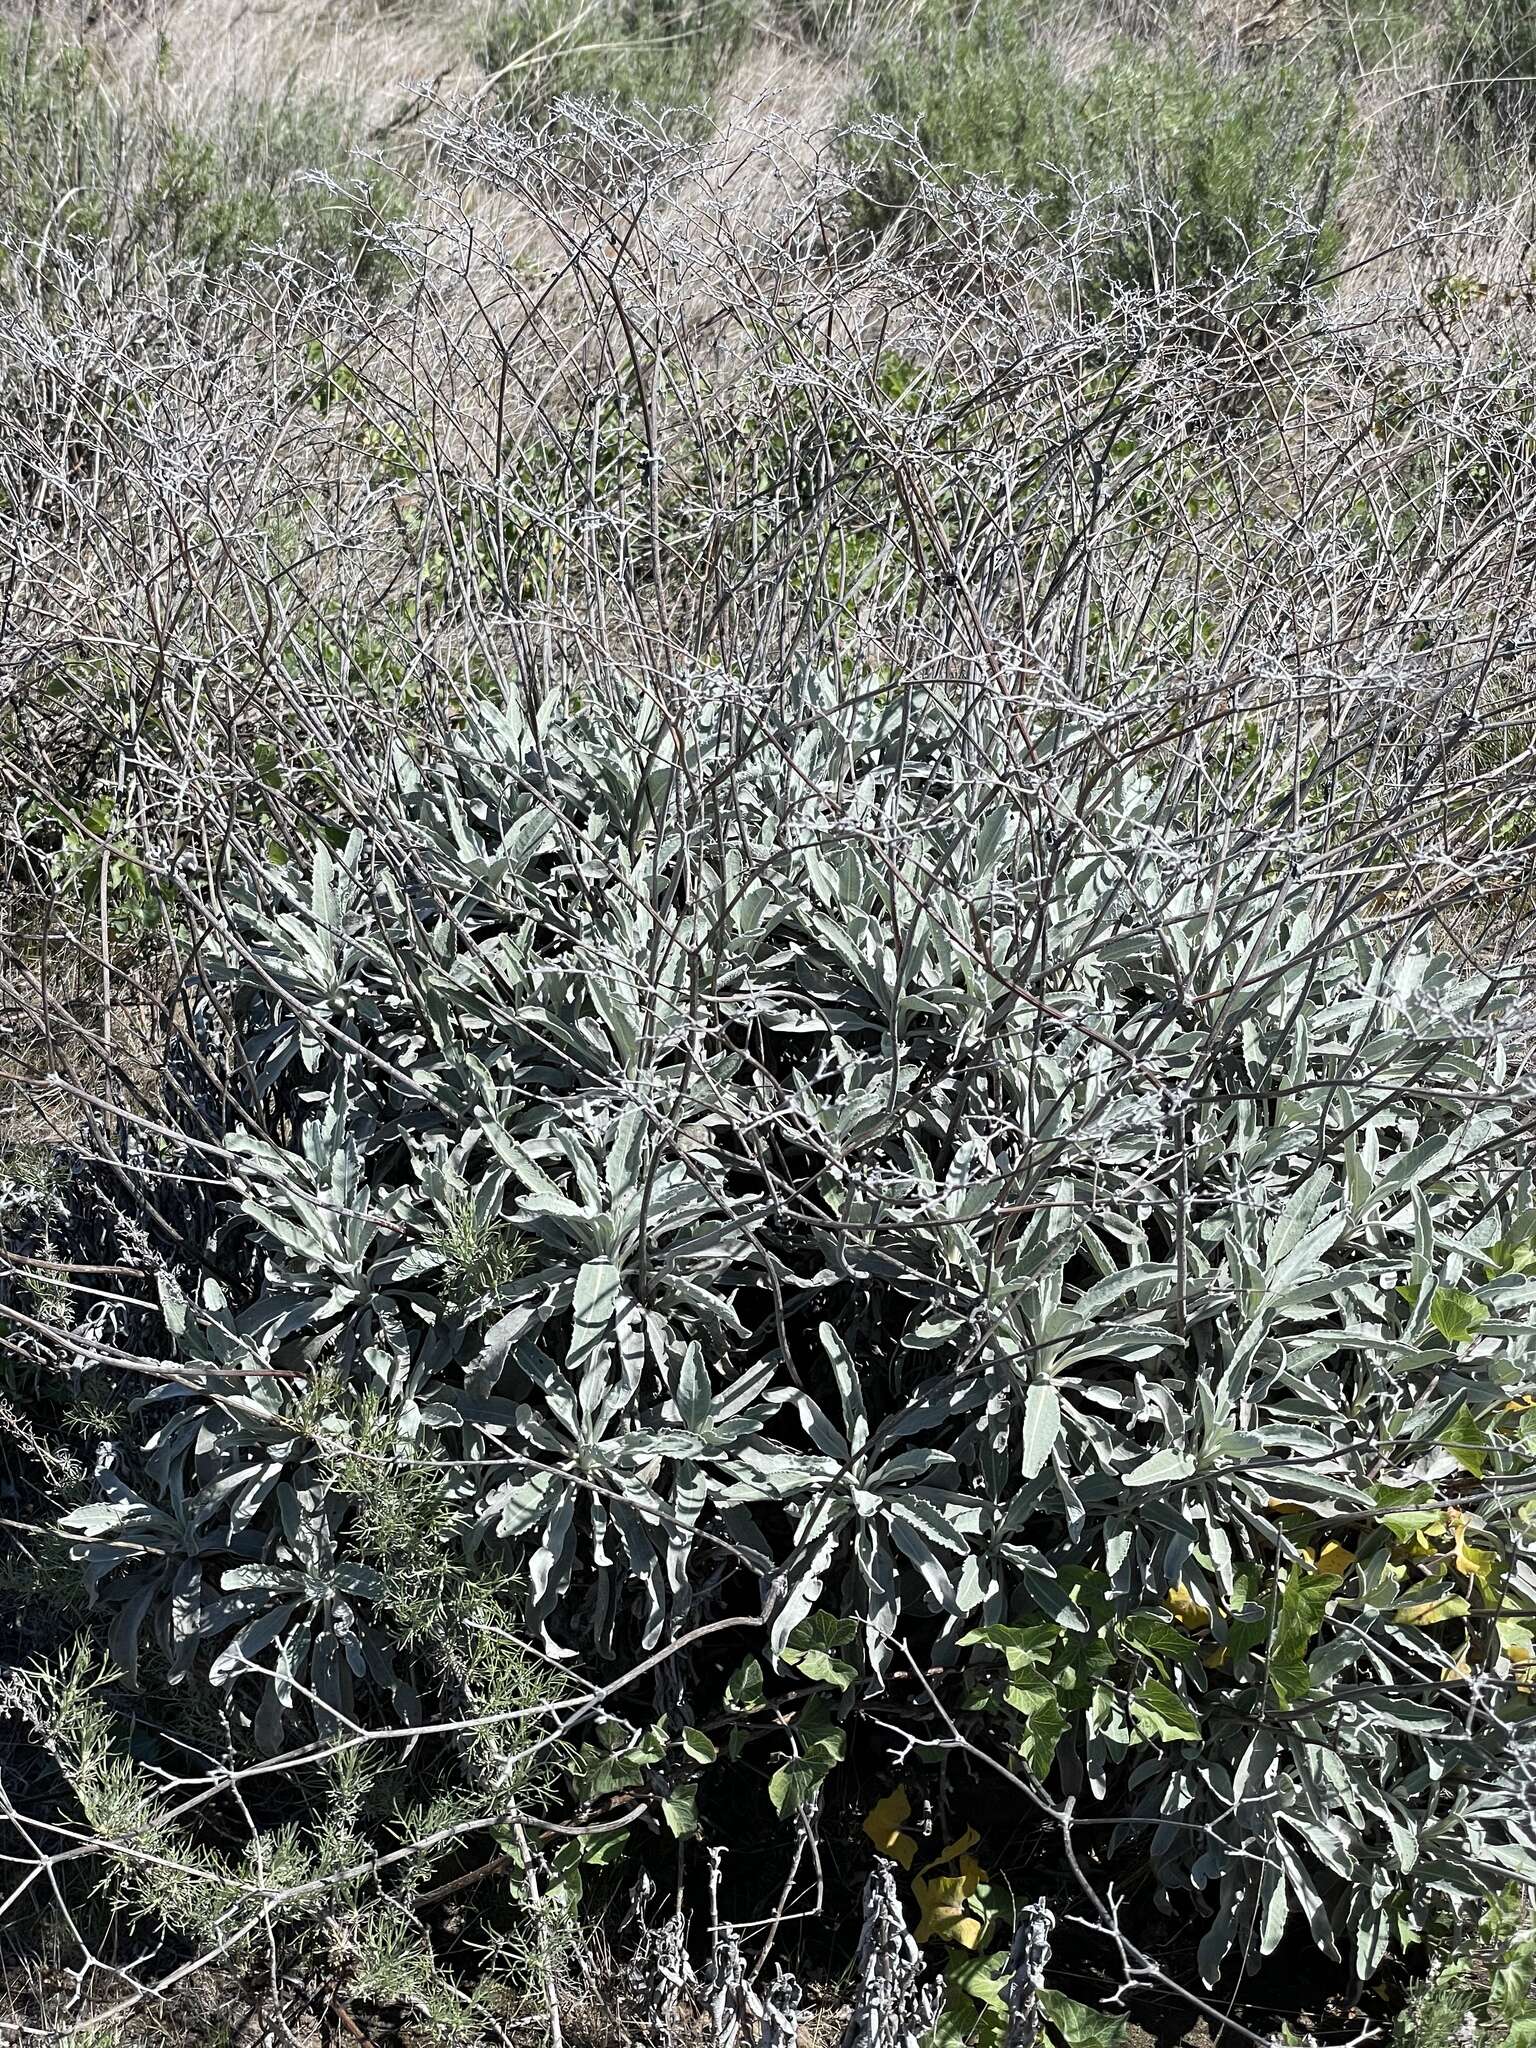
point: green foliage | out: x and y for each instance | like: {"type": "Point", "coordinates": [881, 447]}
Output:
{"type": "Point", "coordinates": [990, 1240]}
{"type": "Point", "coordinates": [1205, 174]}
{"type": "Point", "coordinates": [849, 1157]}
{"type": "Point", "coordinates": [1483, 1993]}
{"type": "Point", "coordinates": [828, 24]}
{"type": "Point", "coordinates": [1370, 34]}
{"type": "Point", "coordinates": [1487, 53]}
{"type": "Point", "coordinates": [644, 56]}
{"type": "Point", "coordinates": [90, 169]}
{"type": "Point", "coordinates": [333, 1888]}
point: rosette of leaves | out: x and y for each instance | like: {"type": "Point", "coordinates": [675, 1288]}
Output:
{"type": "Point", "coordinates": [840, 1163]}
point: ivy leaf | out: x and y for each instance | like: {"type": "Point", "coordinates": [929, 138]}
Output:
{"type": "Point", "coordinates": [1303, 1605]}
{"type": "Point", "coordinates": [810, 1649]}
{"type": "Point", "coordinates": [680, 1809]}
{"type": "Point", "coordinates": [818, 1731]}
{"type": "Point", "coordinates": [1079, 2026]}
{"type": "Point", "coordinates": [1471, 1553]}
{"type": "Point", "coordinates": [1026, 1649]}
{"type": "Point", "coordinates": [744, 1687]}
{"type": "Point", "coordinates": [795, 1784]}
{"type": "Point", "coordinates": [699, 1746]}
{"type": "Point", "coordinates": [1466, 1441]}
{"type": "Point", "coordinates": [822, 1744]}
{"type": "Point", "coordinates": [942, 1902]}
{"type": "Point", "coordinates": [1044, 1726]}
{"type": "Point", "coordinates": [983, 1979]}
{"type": "Point", "coordinates": [883, 1825]}
{"type": "Point", "coordinates": [607, 1849]}
{"type": "Point", "coordinates": [1456, 1314]}
{"type": "Point", "coordinates": [1158, 1711]}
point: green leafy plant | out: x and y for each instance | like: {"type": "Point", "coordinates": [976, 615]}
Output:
{"type": "Point", "coordinates": [1484, 1988]}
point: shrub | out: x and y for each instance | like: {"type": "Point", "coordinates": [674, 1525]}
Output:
{"type": "Point", "coordinates": [1480, 1996]}
{"type": "Point", "coordinates": [310, 1887]}
{"type": "Point", "coordinates": [642, 56]}
{"type": "Point", "coordinates": [1488, 63]}
{"type": "Point", "coordinates": [92, 170]}
{"type": "Point", "coordinates": [841, 1159]}
{"type": "Point", "coordinates": [1213, 176]}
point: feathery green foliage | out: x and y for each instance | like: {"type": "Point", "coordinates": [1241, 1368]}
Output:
{"type": "Point", "coordinates": [642, 56]}
{"type": "Point", "coordinates": [1208, 173]}
{"type": "Point", "coordinates": [276, 178]}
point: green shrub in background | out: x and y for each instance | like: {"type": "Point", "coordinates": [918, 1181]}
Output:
{"type": "Point", "coordinates": [1488, 63]}
{"type": "Point", "coordinates": [1369, 34]}
{"type": "Point", "coordinates": [828, 24]}
{"type": "Point", "coordinates": [639, 56]}
{"type": "Point", "coordinates": [1238, 172]}
{"type": "Point", "coordinates": [1483, 1993]}
{"type": "Point", "coordinates": [1212, 172]}
{"type": "Point", "coordinates": [982, 98]}
{"type": "Point", "coordinates": [92, 171]}
{"type": "Point", "coordinates": [281, 176]}
{"type": "Point", "coordinates": [923, 1191]}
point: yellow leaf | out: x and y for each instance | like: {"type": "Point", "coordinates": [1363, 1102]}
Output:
{"type": "Point", "coordinates": [1425, 1613]}
{"type": "Point", "coordinates": [958, 1847]}
{"type": "Point", "coordinates": [1335, 1558]}
{"type": "Point", "coordinates": [941, 1901]}
{"type": "Point", "coordinates": [1515, 1640]}
{"type": "Point", "coordinates": [1473, 1559]}
{"type": "Point", "coordinates": [883, 1822]}
{"type": "Point", "coordinates": [1420, 1543]}
{"type": "Point", "coordinates": [1285, 1507]}
{"type": "Point", "coordinates": [1187, 1610]}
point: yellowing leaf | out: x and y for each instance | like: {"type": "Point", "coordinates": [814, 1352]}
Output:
{"type": "Point", "coordinates": [883, 1822]}
{"type": "Point", "coordinates": [1417, 1543]}
{"type": "Point", "coordinates": [1474, 1558]}
{"type": "Point", "coordinates": [1519, 1647]}
{"type": "Point", "coordinates": [1335, 1558]}
{"type": "Point", "coordinates": [958, 1847]}
{"type": "Point", "coordinates": [1425, 1613]}
{"type": "Point", "coordinates": [1187, 1610]}
{"type": "Point", "coordinates": [941, 1901]}
{"type": "Point", "coordinates": [1466, 1440]}
{"type": "Point", "coordinates": [1515, 1640]}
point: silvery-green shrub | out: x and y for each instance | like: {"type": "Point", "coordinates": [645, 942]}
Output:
{"type": "Point", "coordinates": [881, 1160]}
